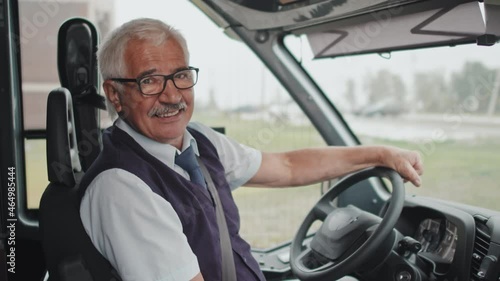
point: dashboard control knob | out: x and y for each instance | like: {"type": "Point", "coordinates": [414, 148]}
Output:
{"type": "Point", "coordinates": [403, 276]}
{"type": "Point", "coordinates": [489, 268]}
{"type": "Point", "coordinates": [409, 244]}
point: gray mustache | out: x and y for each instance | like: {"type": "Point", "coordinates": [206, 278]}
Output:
{"type": "Point", "coordinates": [167, 108]}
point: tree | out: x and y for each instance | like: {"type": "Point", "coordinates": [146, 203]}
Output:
{"type": "Point", "coordinates": [385, 85]}
{"type": "Point", "coordinates": [494, 100]}
{"type": "Point", "coordinates": [350, 94]}
{"type": "Point", "coordinates": [473, 87]}
{"type": "Point", "coordinates": [432, 91]}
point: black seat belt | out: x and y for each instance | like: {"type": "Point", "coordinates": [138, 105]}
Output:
{"type": "Point", "coordinates": [228, 270]}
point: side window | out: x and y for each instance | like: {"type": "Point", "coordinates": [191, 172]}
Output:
{"type": "Point", "coordinates": [39, 22]}
{"type": "Point", "coordinates": [257, 111]}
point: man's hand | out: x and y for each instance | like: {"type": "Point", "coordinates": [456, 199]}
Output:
{"type": "Point", "coordinates": [406, 162]}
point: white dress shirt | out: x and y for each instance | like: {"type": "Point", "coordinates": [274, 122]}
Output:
{"type": "Point", "coordinates": [137, 230]}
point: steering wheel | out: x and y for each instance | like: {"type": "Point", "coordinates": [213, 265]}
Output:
{"type": "Point", "coordinates": [349, 238]}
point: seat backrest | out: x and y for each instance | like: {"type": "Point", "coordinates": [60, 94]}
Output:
{"type": "Point", "coordinates": [69, 252]}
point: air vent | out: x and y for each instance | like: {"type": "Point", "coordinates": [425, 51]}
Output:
{"type": "Point", "coordinates": [481, 246]}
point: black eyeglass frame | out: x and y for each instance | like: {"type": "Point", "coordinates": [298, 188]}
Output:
{"type": "Point", "coordinates": [166, 78]}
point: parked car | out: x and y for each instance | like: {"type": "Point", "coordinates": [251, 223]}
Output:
{"type": "Point", "coordinates": [381, 108]}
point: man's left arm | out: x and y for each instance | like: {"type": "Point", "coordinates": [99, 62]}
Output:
{"type": "Point", "coordinates": [307, 166]}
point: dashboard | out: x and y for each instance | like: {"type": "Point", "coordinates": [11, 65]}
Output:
{"type": "Point", "coordinates": [438, 237]}
{"type": "Point", "coordinates": [458, 242]}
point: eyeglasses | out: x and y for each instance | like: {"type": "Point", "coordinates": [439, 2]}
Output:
{"type": "Point", "coordinates": [153, 85]}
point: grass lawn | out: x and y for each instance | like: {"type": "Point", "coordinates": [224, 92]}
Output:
{"type": "Point", "coordinates": [462, 171]}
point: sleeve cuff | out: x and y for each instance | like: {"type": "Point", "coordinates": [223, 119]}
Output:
{"type": "Point", "coordinates": [187, 272]}
{"type": "Point", "coordinates": [252, 170]}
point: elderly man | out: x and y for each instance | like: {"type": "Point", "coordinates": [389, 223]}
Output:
{"type": "Point", "coordinates": [150, 217]}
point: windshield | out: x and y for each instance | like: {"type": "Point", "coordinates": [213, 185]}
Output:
{"type": "Point", "coordinates": [443, 102]}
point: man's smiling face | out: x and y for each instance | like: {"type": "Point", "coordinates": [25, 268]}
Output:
{"type": "Point", "coordinates": [145, 113]}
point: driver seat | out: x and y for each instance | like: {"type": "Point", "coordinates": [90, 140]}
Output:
{"type": "Point", "coordinates": [69, 252]}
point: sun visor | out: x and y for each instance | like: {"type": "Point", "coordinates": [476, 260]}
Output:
{"type": "Point", "coordinates": [405, 28]}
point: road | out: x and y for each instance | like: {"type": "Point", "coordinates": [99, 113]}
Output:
{"type": "Point", "coordinates": [426, 127]}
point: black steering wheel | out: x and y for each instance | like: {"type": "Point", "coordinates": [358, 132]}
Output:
{"type": "Point", "coordinates": [349, 238]}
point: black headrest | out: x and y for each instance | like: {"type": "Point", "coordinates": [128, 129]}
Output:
{"type": "Point", "coordinates": [62, 149]}
{"type": "Point", "coordinates": [77, 66]}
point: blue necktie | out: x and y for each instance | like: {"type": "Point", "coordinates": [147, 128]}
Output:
{"type": "Point", "coordinates": [187, 161]}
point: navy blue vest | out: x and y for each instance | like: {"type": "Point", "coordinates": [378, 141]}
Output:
{"type": "Point", "coordinates": [192, 203]}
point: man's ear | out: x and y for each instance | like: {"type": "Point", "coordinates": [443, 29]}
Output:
{"type": "Point", "coordinates": [113, 95]}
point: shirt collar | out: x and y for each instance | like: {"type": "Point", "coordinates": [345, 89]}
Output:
{"type": "Point", "coordinates": [162, 151]}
